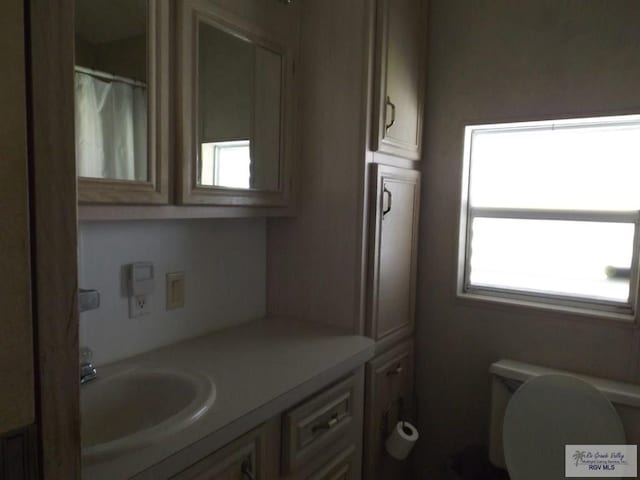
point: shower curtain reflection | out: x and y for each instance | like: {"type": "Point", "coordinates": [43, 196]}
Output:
{"type": "Point", "coordinates": [111, 128]}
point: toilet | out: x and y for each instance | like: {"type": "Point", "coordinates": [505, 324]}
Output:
{"type": "Point", "coordinates": [536, 411]}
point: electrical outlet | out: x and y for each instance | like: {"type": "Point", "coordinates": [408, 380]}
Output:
{"type": "Point", "coordinates": [140, 286]}
{"type": "Point", "coordinates": [175, 290]}
{"type": "Point", "coordinates": [139, 306]}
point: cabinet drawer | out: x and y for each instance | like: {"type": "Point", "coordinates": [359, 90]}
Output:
{"type": "Point", "coordinates": [241, 459]}
{"type": "Point", "coordinates": [339, 467]}
{"type": "Point", "coordinates": [317, 423]}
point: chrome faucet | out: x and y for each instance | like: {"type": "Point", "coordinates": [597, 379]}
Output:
{"type": "Point", "coordinates": [87, 370]}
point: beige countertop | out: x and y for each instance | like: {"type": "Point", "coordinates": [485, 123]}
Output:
{"type": "Point", "coordinates": [259, 368]}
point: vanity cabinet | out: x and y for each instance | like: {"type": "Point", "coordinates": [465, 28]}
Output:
{"type": "Point", "coordinates": [400, 62]}
{"type": "Point", "coordinates": [318, 437]}
{"type": "Point", "coordinates": [389, 399]}
{"type": "Point", "coordinates": [393, 256]}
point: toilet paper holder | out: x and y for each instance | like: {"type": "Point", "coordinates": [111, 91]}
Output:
{"type": "Point", "coordinates": [385, 426]}
{"type": "Point", "coordinates": [401, 437]}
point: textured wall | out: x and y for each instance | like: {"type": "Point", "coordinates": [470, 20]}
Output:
{"type": "Point", "coordinates": [493, 61]}
{"type": "Point", "coordinates": [225, 269]}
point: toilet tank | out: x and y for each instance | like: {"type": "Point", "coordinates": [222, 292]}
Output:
{"type": "Point", "coordinates": [508, 375]}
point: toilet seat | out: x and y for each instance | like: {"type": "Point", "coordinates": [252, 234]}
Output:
{"type": "Point", "coordinates": [547, 413]}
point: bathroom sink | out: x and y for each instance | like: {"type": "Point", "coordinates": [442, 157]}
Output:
{"type": "Point", "coordinates": [136, 408]}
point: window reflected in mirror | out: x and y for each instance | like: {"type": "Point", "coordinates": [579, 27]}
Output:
{"type": "Point", "coordinates": [227, 164]}
{"type": "Point", "coordinates": [111, 89]}
{"type": "Point", "coordinates": [239, 112]}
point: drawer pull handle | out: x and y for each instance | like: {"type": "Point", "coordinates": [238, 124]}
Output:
{"type": "Point", "coordinates": [328, 425]}
{"type": "Point", "coordinates": [247, 470]}
{"type": "Point", "coordinates": [397, 371]}
{"type": "Point", "coordinates": [393, 114]}
{"type": "Point", "coordinates": [386, 193]}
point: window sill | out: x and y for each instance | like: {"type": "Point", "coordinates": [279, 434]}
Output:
{"type": "Point", "coordinates": [468, 298]}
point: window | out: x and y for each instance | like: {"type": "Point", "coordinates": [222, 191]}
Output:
{"type": "Point", "coordinates": [550, 213]}
{"type": "Point", "coordinates": [226, 164]}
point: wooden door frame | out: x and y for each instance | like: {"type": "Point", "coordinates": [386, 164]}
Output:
{"type": "Point", "coordinates": [53, 206]}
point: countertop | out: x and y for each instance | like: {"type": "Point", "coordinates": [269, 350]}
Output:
{"type": "Point", "coordinates": [260, 369]}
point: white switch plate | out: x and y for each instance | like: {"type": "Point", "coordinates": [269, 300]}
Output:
{"type": "Point", "coordinates": [175, 290]}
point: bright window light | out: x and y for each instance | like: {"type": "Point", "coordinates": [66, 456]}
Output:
{"type": "Point", "coordinates": [226, 164]}
{"type": "Point", "coordinates": [550, 212]}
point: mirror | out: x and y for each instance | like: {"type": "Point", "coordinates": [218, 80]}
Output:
{"type": "Point", "coordinates": [111, 89]}
{"type": "Point", "coordinates": [239, 102]}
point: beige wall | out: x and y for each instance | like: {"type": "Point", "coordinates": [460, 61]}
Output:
{"type": "Point", "coordinates": [221, 290]}
{"type": "Point", "coordinates": [492, 61]}
{"type": "Point", "coordinates": [16, 349]}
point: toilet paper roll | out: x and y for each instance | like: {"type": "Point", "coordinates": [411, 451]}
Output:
{"type": "Point", "coordinates": [401, 440]}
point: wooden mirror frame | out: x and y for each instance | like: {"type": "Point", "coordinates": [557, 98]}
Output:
{"type": "Point", "coordinates": [156, 189]}
{"type": "Point", "coordinates": [190, 14]}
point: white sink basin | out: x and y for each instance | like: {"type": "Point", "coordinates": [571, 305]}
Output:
{"type": "Point", "coordinates": [136, 408]}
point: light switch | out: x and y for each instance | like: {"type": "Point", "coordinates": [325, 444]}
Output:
{"type": "Point", "coordinates": [175, 290]}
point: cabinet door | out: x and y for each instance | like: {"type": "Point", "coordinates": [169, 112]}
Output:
{"type": "Point", "coordinates": [389, 399]}
{"type": "Point", "coordinates": [122, 102]}
{"type": "Point", "coordinates": [399, 74]}
{"type": "Point", "coordinates": [392, 275]}
{"type": "Point", "coordinates": [243, 459]}
{"type": "Point", "coordinates": [235, 103]}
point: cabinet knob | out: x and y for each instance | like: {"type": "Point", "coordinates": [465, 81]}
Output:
{"type": "Point", "coordinates": [396, 371]}
{"type": "Point", "coordinates": [393, 114]}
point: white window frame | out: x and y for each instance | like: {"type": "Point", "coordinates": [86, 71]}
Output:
{"type": "Point", "coordinates": [228, 145]}
{"type": "Point", "coordinates": [617, 310]}
{"type": "Point", "coordinates": [216, 148]}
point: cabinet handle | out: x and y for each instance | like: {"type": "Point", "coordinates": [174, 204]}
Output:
{"type": "Point", "coordinates": [396, 371]}
{"type": "Point", "coordinates": [393, 114]}
{"type": "Point", "coordinates": [386, 193]}
{"type": "Point", "coordinates": [247, 470]}
{"type": "Point", "coordinates": [328, 425]}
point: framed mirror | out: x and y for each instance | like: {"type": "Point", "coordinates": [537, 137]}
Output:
{"type": "Point", "coordinates": [235, 100]}
{"type": "Point", "coordinates": [121, 101]}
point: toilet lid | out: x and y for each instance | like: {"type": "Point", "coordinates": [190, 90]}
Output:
{"type": "Point", "coordinates": [547, 413]}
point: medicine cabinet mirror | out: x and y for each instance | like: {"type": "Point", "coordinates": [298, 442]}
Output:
{"type": "Point", "coordinates": [121, 101]}
{"type": "Point", "coordinates": [234, 110]}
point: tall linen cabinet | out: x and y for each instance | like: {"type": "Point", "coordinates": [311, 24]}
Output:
{"type": "Point", "coordinates": [348, 257]}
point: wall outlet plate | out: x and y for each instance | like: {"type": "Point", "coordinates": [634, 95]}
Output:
{"type": "Point", "coordinates": [175, 290]}
{"type": "Point", "coordinates": [139, 306]}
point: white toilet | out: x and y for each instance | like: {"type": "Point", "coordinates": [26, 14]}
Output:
{"type": "Point", "coordinates": [536, 411]}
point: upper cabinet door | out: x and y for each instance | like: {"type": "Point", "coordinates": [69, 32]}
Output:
{"type": "Point", "coordinates": [235, 101]}
{"type": "Point", "coordinates": [399, 77]}
{"type": "Point", "coordinates": [122, 101]}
